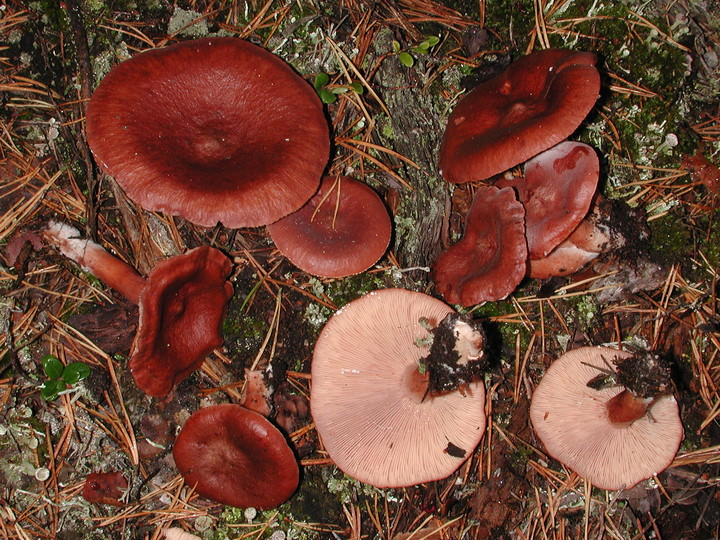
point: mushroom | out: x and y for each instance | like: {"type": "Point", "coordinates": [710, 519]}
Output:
{"type": "Point", "coordinates": [105, 488]}
{"type": "Point", "coordinates": [182, 304]}
{"type": "Point", "coordinates": [213, 130]}
{"type": "Point", "coordinates": [556, 190]}
{"type": "Point", "coordinates": [609, 226]}
{"type": "Point", "coordinates": [538, 101]}
{"type": "Point", "coordinates": [491, 258]}
{"type": "Point", "coordinates": [235, 456]}
{"type": "Point", "coordinates": [610, 435]}
{"type": "Point", "coordinates": [369, 400]}
{"type": "Point", "coordinates": [342, 230]}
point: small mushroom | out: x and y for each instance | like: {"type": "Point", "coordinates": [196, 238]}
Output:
{"type": "Point", "coordinates": [213, 130]}
{"type": "Point", "coordinates": [538, 101]}
{"type": "Point", "coordinates": [491, 258]}
{"type": "Point", "coordinates": [342, 230]}
{"type": "Point", "coordinates": [105, 488]}
{"type": "Point", "coordinates": [603, 432]}
{"type": "Point", "coordinates": [182, 304]}
{"type": "Point", "coordinates": [369, 399]}
{"type": "Point", "coordinates": [235, 456]}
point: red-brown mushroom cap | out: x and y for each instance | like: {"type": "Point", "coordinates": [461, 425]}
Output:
{"type": "Point", "coordinates": [572, 421]}
{"type": "Point", "coordinates": [342, 230]}
{"type": "Point", "coordinates": [491, 258]}
{"type": "Point", "coordinates": [105, 488]}
{"type": "Point", "coordinates": [556, 191]}
{"type": "Point", "coordinates": [535, 103]}
{"type": "Point", "coordinates": [369, 416]}
{"type": "Point", "coordinates": [181, 312]}
{"type": "Point", "coordinates": [235, 456]}
{"type": "Point", "coordinates": [213, 130]}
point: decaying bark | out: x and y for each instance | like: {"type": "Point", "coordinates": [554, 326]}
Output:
{"type": "Point", "coordinates": [414, 130]}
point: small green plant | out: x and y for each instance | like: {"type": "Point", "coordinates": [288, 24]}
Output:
{"type": "Point", "coordinates": [423, 47]}
{"type": "Point", "coordinates": [60, 377]}
{"type": "Point", "coordinates": [328, 94]}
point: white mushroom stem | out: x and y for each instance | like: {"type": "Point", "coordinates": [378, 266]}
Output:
{"type": "Point", "coordinates": [93, 258]}
{"type": "Point", "coordinates": [625, 408]}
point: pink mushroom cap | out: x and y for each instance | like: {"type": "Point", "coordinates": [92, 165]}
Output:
{"type": "Point", "coordinates": [572, 421]}
{"type": "Point", "coordinates": [364, 401]}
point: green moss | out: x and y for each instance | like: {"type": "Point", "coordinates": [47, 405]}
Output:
{"type": "Point", "coordinates": [670, 239]}
{"type": "Point", "coordinates": [242, 333]}
{"type": "Point", "coordinates": [348, 289]}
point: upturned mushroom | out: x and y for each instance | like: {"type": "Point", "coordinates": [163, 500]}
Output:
{"type": "Point", "coordinates": [342, 230]}
{"type": "Point", "coordinates": [370, 401]}
{"type": "Point", "coordinates": [213, 130]}
{"type": "Point", "coordinates": [182, 305]}
{"type": "Point", "coordinates": [491, 258]}
{"type": "Point", "coordinates": [608, 415]}
{"type": "Point", "coordinates": [235, 456]}
{"type": "Point", "coordinates": [538, 101]}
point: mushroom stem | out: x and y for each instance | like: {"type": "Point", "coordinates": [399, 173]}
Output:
{"type": "Point", "coordinates": [625, 408]}
{"type": "Point", "coordinates": [415, 383]}
{"type": "Point", "coordinates": [93, 258]}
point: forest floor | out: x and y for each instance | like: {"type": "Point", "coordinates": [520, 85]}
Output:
{"type": "Point", "coordinates": [656, 128]}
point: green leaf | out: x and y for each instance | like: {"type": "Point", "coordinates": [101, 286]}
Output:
{"type": "Point", "coordinates": [326, 96]}
{"type": "Point", "coordinates": [432, 41]}
{"type": "Point", "coordinates": [52, 366]}
{"type": "Point", "coordinates": [420, 49]}
{"type": "Point", "coordinates": [339, 90]}
{"type": "Point", "coordinates": [406, 59]}
{"type": "Point", "coordinates": [321, 79]}
{"type": "Point", "coordinates": [75, 371]}
{"type": "Point", "coordinates": [357, 88]}
{"type": "Point", "coordinates": [396, 46]}
{"type": "Point", "coordinates": [50, 390]}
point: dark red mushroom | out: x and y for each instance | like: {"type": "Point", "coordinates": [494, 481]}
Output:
{"type": "Point", "coordinates": [491, 259]}
{"type": "Point", "coordinates": [557, 190]}
{"type": "Point", "coordinates": [534, 104]}
{"type": "Point", "coordinates": [235, 456]}
{"type": "Point", "coordinates": [105, 488]}
{"type": "Point", "coordinates": [182, 304]}
{"type": "Point", "coordinates": [342, 230]}
{"type": "Point", "coordinates": [213, 130]}
{"type": "Point", "coordinates": [181, 313]}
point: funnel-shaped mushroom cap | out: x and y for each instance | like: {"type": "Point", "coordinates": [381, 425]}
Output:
{"type": "Point", "coordinates": [235, 456]}
{"type": "Point", "coordinates": [491, 258]}
{"type": "Point", "coordinates": [342, 230]}
{"type": "Point", "coordinates": [372, 425]}
{"type": "Point", "coordinates": [181, 312]}
{"type": "Point", "coordinates": [213, 130]}
{"type": "Point", "coordinates": [572, 421]}
{"type": "Point", "coordinates": [534, 104]}
{"type": "Point", "coordinates": [556, 191]}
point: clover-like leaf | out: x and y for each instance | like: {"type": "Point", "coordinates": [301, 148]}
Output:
{"type": "Point", "coordinates": [326, 96]}
{"type": "Point", "coordinates": [75, 371]}
{"type": "Point", "coordinates": [406, 59]}
{"type": "Point", "coordinates": [321, 79]}
{"type": "Point", "coordinates": [50, 390]}
{"type": "Point", "coordinates": [52, 366]}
